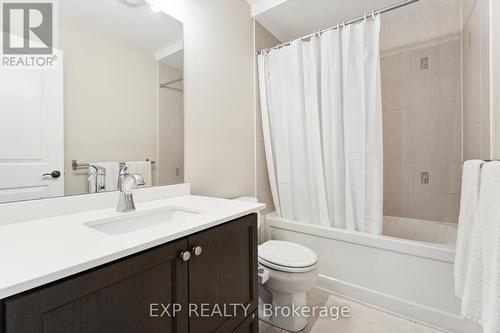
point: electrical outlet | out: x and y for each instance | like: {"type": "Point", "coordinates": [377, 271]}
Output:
{"type": "Point", "coordinates": [424, 177]}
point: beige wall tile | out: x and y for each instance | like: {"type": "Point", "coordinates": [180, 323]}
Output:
{"type": "Point", "coordinates": [450, 88]}
{"type": "Point", "coordinates": [397, 203]}
{"type": "Point", "coordinates": [450, 177]}
{"type": "Point", "coordinates": [449, 18]}
{"type": "Point", "coordinates": [426, 206]}
{"type": "Point", "coordinates": [450, 147]}
{"type": "Point", "coordinates": [424, 121]}
{"type": "Point", "coordinates": [450, 57]}
{"type": "Point", "coordinates": [423, 124]}
{"type": "Point", "coordinates": [392, 122]}
{"type": "Point", "coordinates": [425, 91]}
{"type": "Point", "coordinates": [449, 207]}
{"type": "Point", "coordinates": [484, 36]}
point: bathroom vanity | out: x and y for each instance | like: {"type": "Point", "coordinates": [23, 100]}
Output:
{"type": "Point", "coordinates": [208, 258]}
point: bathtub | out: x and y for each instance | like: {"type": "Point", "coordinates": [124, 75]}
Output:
{"type": "Point", "coordinates": [407, 271]}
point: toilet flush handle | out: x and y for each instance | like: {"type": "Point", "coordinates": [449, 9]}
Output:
{"type": "Point", "coordinates": [263, 275]}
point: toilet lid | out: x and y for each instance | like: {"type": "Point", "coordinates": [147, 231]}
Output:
{"type": "Point", "coordinates": [287, 255]}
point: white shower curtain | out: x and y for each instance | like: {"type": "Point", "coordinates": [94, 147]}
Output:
{"type": "Point", "coordinates": [322, 121]}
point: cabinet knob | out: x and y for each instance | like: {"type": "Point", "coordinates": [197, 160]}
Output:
{"type": "Point", "coordinates": [197, 250]}
{"type": "Point", "coordinates": [185, 256]}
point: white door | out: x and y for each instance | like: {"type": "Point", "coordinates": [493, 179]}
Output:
{"type": "Point", "coordinates": [31, 133]}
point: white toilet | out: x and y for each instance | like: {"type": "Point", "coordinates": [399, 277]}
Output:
{"type": "Point", "coordinates": [286, 272]}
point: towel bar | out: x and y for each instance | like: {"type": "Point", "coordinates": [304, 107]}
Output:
{"type": "Point", "coordinates": [75, 165]}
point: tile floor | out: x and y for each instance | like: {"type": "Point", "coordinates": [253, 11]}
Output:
{"type": "Point", "coordinates": [364, 319]}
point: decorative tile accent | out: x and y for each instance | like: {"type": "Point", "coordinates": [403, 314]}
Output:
{"type": "Point", "coordinates": [424, 63]}
{"type": "Point", "coordinates": [424, 177]}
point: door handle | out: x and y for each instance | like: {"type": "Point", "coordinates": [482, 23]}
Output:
{"type": "Point", "coordinates": [54, 174]}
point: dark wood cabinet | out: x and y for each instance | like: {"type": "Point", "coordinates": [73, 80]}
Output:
{"type": "Point", "coordinates": [115, 298]}
{"type": "Point", "coordinates": [224, 275]}
{"type": "Point", "coordinates": [122, 296]}
{"type": "Point", "coordinates": [249, 325]}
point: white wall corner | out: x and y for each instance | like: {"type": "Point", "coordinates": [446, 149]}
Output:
{"type": "Point", "coordinates": [261, 6]}
{"type": "Point", "coordinates": [495, 77]}
{"type": "Point", "coordinates": [169, 50]}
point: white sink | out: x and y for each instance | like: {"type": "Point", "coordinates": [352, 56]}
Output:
{"type": "Point", "coordinates": [128, 222]}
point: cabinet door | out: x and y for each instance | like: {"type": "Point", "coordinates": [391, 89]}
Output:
{"type": "Point", "coordinates": [225, 273]}
{"type": "Point", "coordinates": [250, 325]}
{"type": "Point", "coordinates": [113, 298]}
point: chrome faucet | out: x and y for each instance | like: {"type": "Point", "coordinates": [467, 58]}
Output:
{"type": "Point", "coordinates": [126, 183]}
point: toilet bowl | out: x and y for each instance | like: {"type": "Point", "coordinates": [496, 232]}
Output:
{"type": "Point", "coordinates": [286, 272]}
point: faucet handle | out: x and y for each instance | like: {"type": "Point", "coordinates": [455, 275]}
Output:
{"type": "Point", "coordinates": [128, 185]}
{"type": "Point", "coordinates": [139, 179]}
{"type": "Point", "coordinates": [124, 171]}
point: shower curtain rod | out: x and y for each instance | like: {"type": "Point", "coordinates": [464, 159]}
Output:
{"type": "Point", "coordinates": [355, 20]}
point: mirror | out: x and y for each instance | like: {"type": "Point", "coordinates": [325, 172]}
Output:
{"type": "Point", "coordinates": [104, 93]}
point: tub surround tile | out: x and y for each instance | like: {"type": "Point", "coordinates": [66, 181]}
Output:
{"type": "Point", "coordinates": [450, 21]}
{"type": "Point", "coordinates": [449, 207]}
{"type": "Point", "coordinates": [450, 57]}
{"type": "Point", "coordinates": [425, 206]}
{"type": "Point", "coordinates": [475, 52]}
{"type": "Point", "coordinates": [397, 203]}
{"type": "Point", "coordinates": [423, 127]}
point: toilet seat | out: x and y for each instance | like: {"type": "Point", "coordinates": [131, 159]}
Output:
{"type": "Point", "coordinates": [287, 257]}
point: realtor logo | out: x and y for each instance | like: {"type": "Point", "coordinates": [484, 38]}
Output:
{"type": "Point", "coordinates": [28, 34]}
{"type": "Point", "coordinates": [27, 28]}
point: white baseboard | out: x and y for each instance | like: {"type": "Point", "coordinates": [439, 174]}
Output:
{"type": "Point", "coordinates": [442, 320]}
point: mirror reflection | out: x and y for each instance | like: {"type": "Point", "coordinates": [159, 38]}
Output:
{"type": "Point", "coordinates": [114, 102]}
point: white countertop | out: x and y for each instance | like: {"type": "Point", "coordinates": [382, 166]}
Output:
{"type": "Point", "coordinates": [34, 253]}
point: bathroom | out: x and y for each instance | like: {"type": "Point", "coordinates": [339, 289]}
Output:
{"type": "Point", "coordinates": [149, 168]}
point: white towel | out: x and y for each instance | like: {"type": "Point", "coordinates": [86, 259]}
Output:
{"type": "Point", "coordinates": [471, 177]}
{"type": "Point", "coordinates": [481, 296]}
{"type": "Point", "coordinates": [142, 168]}
{"type": "Point", "coordinates": [111, 178]}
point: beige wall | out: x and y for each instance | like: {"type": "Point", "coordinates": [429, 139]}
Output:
{"type": "Point", "coordinates": [171, 129]}
{"type": "Point", "coordinates": [476, 78]}
{"type": "Point", "coordinates": [263, 39]}
{"type": "Point", "coordinates": [110, 102]}
{"type": "Point", "coordinates": [422, 115]}
{"type": "Point", "coordinates": [219, 95]}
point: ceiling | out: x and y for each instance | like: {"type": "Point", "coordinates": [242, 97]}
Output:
{"type": "Point", "coordinates": [139, 26]}
{"type": "Point", "coordinates": [289, 19]}
{"type": "Point", "coordinates": [175, 59]}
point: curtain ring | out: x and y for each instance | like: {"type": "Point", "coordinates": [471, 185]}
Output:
{"type": "Point", "coordinates": [343, 24]}
{"type": "Point", "coordinates": [338, 26]}
{"type": "Point", "coordinates": [373, 15]}
{"type": "Point", "coordinates": [365, 16]}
